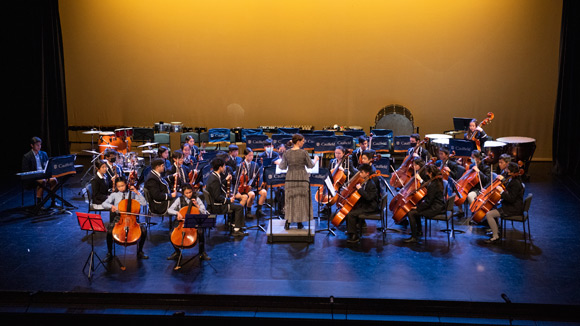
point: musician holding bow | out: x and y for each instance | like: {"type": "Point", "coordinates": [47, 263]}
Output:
{"type": "Point", "coordinates": [160, 192]}
{"type": "Point", "coordinates": [368, 203]}
{"type": "Point", "coordinates": [36, 160]}
{"type": "Point", "coordinates": [100, 188]}
{"type": "Point", "coordinates": [420, 151]}
{"type": "Point", "coordinates": [475, 132]}
{"type": "Point", "coordinates": [249, 177]}
{"type": "Point", "coordinates": [112, 203]}
{"type": "Point", "coordinates": [113, 170]}
{"type": "Point", "coordinates": [178, 170]}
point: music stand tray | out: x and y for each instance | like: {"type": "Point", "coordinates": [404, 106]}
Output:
{"type": "Point", "coordinates": [199, 222]}
{"type": "Point", "coordinates": [93, 223]}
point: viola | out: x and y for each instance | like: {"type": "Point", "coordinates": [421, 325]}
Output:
{"type": "Point", "coordinates": [338, 178]}
{"type": "Point", "coordinates": [244, 187]}
{"type": "Point", "coordinates": [408, 197]}
{"type": "Point", "coordinates": [349, 196]}
{"type": "Point", "coordinates": [182, 237]}
{"type": "Point", "coordinates": [485, 121]}
{"type": "Point", "coordinates": [127, 231]}
{"type": "Point", "coordinates": [405, 172]}
{"type": "Point", "coordinates": [193, 176]}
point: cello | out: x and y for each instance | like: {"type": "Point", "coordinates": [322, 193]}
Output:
{"type": "Point", "coordinates": [349, 196]}
{"type": "Point", "coordinates": [404, 172]}
{"type": "Point", "coordinates": [485, 121]}
{"type": "Point", "coordinates": [181, 237]}
{"type": "Point", "coordinates": [338, 178]}
{"type": "Point", "coordinates": [127, 231]}
{"type": "Point", "coordinates": [408, 197]}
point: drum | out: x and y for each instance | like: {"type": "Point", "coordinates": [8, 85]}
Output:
{"type": "Point", "coordinates": [520, 148]}
{"type": "Point", "coordinates": [124, 132]}
{"type": "Point", "coordinates": [108, 139]}
{"type": "Point", "coordinates": [397, 118]}
{"type": "Point", "coordinates": [433, 148]}
{"type": "Point", "coordinates": [176, 127]}
{"type": "Point", "coordinates": [440, 143]}
{"type": "Point", "coordinates": [493, 149]}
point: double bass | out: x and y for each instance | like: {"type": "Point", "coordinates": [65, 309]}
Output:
{"type": "Point", "coordinates": [338, 178]}
{"type": "Point", "coordinates": [408, 197]}
{"type": "Point", "coordinates": [485, 121]}
{"type": "Point", "coordinates": [181, 237]}
{"type": "Point", "coordinates": [349, 196]}
{"type": "Point", "coordinates": [402, 175]}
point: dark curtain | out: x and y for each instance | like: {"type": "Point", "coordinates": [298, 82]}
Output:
{"type": "Point", "coordinates": [566, 150]}
{"type": "Point", "coordinates": [33, 66]}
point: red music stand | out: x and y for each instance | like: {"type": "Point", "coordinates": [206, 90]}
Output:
{"type": "Point", "coordinates": [93, 223]}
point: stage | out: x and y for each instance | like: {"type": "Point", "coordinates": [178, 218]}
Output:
{"type": "Point", "coordinates": [326, 280]}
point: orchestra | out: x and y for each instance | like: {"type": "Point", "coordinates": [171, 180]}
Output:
{"type": "Point", "coordinates": [173, 181]}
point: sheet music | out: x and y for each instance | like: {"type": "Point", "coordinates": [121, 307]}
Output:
{"type": "Point", "coordinates": [330, 186]}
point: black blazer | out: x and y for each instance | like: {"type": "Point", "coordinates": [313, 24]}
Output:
{"type": "Point", "coordinates": [512, 199]}
{"type": "Point", "coordinates": [29, 162]}
{"type": "Point", "coordinates": [159, 193]}
{"type": "Point", "coordinates": [369, 201]}
{"type": "Point", "coordinates": [433, 203]}
{"type": "Point", "coordinates": [100, 189]}
{"type": "Point", "coordinates": [216, 189]}
{"type": "Point", "coordinates": [182, 179]}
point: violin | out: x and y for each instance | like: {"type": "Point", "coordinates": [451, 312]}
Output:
{"type": "Point", "coordinates": [182, 237]}
{"type": "Point", "coordinates": [338, 178]}
{"type": "Point", "coordinates": [405, 171]}
{"type": "Point", "coordinates": [485, 121]}
{"type": "Point", "coordinates": [408, 197]}
{"type": "Point", "coordinates": [244, 187]}
{"type": "Point", "coordinates": [193, 175]}
{"type": "Point", "coordinates": [349, 196]}
{"type": "Point", "coordinates": [127, 231]}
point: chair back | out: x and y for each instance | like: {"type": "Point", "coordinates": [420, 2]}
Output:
{"type": "Point", "coordinates": [89, 189]}
{"type": "Point", "coordinates": [450, 203]}
{"type": "Point", "coordinates": [527, 202]}
{"type": "Point", "coordinates": [208, 199]}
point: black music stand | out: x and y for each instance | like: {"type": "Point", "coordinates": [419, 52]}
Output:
{"type": "Point", "coordinates": [93, 223]}
{"type": "Point", "coordinates": [199, 222]}
{"type": "Point", "coordinates": [333, 193]}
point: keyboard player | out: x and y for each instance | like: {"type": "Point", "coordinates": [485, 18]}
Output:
{"type": "Point", "coordinates": [36, 160]}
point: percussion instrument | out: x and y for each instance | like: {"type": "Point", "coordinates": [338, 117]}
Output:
{"type": "Point", "coordinates": [493, 149]}
{"type": "Point", "coordinates": [396, 118]}
{"type": "Point", "coordinates": [431, 146]}
{"type": "Point", "coordinates": [440, 143]}
{"type": "Point", "coordinates": [148, 145]}
{"type": "Point", "coordinates": [176, 127]}
{"type": "Point", "coordinates": [520, 148]}
{"type": "Point", "coordinates": [92, 132]}
{"type": "Point", "coordinates": [92, 152]}
{"type": "Point", "coordinates": [149, 151]}
{"type": "Point", "coordinates": [108, 139]}
{"type": "Point", "coordinates": [162, 127]}
{"type": "Point", "coordinates": [124, 132]}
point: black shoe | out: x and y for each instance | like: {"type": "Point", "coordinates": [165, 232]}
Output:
{"type": "Point", "coordinates": [173, 256]}
{"type": "Point", "coordinates": [353, 239]}
{"type": "Point", "coordinates": [108, 257]}
{"type": "Point", "coordinates": [491, 240]}
{"type": "Point", "coordinates": [287, 226]}
{"type": "Point", "coordinates": [259, 213]}
{"type": "Point", "coordinates": [239, 233]}
{"type": "Point", "coordinates": [411, 240]}
{"type": "Point", "coordinates": [142, 255]}
{"type": "Point", "coordinates": [300, 225]}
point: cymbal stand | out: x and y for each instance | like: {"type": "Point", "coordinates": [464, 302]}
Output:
{"type": "Point", "coordinates": [92, 169]}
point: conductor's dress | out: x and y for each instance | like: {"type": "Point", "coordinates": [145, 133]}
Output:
{"type": "Point", "coordinates": [298, 207]}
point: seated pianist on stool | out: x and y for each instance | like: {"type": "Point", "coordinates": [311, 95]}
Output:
{"type": "Point", "coordinates": [112, 203]}
{"type": "Point", "coordinates": [36, 160]}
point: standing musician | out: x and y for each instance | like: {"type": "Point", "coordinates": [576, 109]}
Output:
{"type": "Point", "coordinates": [100, 185]}
{"type": "Point", "coordinates": [475, 132]}
{"type": "Point", "coordinates": [112, 203]}
{"type": "Point", "coordinates": [178, 170]}
{"type": "Point", "coordinates": [160, 192]}
{"type": "Point", "coordinates": [250, 171]}
{"type": "Point", "coordinates": [512, 200]}
{"type": "Point", "coordinates": [432, 204]}
{"type": "Point", "coordinates": [216, 187]}
{"type": "Point", "coordinates": [113, 170]}
{"type": "Point", "coordinates": [183, 201]}
{"type": "Point", "coordinates": [421, 151]}
{"type": "Point", "coordinates": [367, 203]}
{"type": "Point", "coordinates": [363, 145]}
{"type": "Point", "coordinates": [36, 160]}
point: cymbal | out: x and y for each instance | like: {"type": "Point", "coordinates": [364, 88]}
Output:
{"type": "Point", "coordinates": [91, 132]}
{"type": "Point", "coordinates": [92, 152]}
{"type": "Point", "coordinates": [147, 144]}
{"type": "Point", "coordinates": [149, 151]}
{"type": "Point", "coordinates": [107, 145]}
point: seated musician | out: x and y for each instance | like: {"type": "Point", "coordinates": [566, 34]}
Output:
{"type": "Point", "coordinates": [112, 203]}
{"type": "Point", "coordinates": [368, 158]}
{"type": "Point", "coordinates": [178, 170]}
{"type": "Point", "coordinates": [346, 165]}
{"type": "Point", "coordinates": [421, 151]}
{"type": "Point", "coordinates": [194, 150]}
{"type": "Point", "coordinates": [431, 205]}
{"type": "Point", "coordinates": [164, 153]}
{"type": "Point", "coordinates": [188, 159]}
{"type": "Point", "coordinates": [484, 171]}
{"type": "Point", "coordinates": [183, 201]}
{"type": "Point", "coordinates": [217, 189]}
{"type": "Point", "coordinates": [250, 169]}
{"type": "Point", "coordinates": [160, 192]}
{"type": "Point", "coordinates": [113, 170]}
{"type": "Point", "coordinates": [100, 185]}
{"type": "Point", "coordinates": [475, 132]}
{"type": "Point", "coordinates": [512, 200]}
{"type": "Point", "coordinates": [445, 164]}
{"type": "Point", "coordinates": [367, 203]}
{"type": "Point", "coordinates": [36, 160]}
{"type": "Point", "coordinates": [504, 160]}
{"type": "Point", "coordinates": [269, 151]}
{"type": "Point", "coordinates": [234, 159]}
{"type": "Point", "coordinates": [363, 145]}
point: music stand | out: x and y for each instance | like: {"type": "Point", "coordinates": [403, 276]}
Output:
{"type": "Point", "coordinates": [330, 187]}
{"type": "Point", "coordinates": [199, 222]}
{"type": "Point", "coordinates": [93, 223]}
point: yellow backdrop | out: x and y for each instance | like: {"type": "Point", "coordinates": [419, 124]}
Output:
{"type": "Point", "coordinates": [246, 63]}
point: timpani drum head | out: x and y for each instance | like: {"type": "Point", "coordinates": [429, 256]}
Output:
{"type": "Point", "coordinates": [396, 118]}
